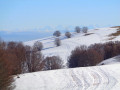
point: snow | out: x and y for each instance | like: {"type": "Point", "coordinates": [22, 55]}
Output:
{"type": "Point", "coordinates": [106, 77]}
{"type": "Point", "coordinates": [113, 60]}
{"type": "Point", "coordinates": [100, 35]}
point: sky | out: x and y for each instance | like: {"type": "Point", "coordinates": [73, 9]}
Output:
{"type": "Point", "coordinates": [27, 17]}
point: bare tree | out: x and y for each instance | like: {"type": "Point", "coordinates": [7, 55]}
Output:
{"type": "Point", "coordinates": [53, 62]}
{"type": "Point", "coordinates": [77, 29]}
{"type": "Point", "coordinates": [5, 70]}
{"type": "Point", "coordinates": [38, 45]}
{"type": "Point", "coordinates": [83, 56]}
{"type": "Point", "coordinates": [34, 60]}
{"type": "Point", "coordinates": [57, 33]}
{"type": "Point", "coordinates": [68, 34]}
{"type": "Point", "coordinates": [57, 42]}
{"type": "Point", "coordinates": [85, 29]}
{"type": "Point", "coordinates": [78, 57]}
{"type": "Point", "coordinates": [5, 79]}
{"type": "Point", "coordinates": [2, 44]}
{"type": "Point", "coordinates": [11, 45]}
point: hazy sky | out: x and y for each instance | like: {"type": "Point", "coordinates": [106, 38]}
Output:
{"type": "Point", "coordinates": [23, 15]}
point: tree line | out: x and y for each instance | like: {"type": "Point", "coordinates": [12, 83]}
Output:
{"type": "Point", "coordinates": [83, 56]}
{"type": "Point", "coordinates": [16, 58]}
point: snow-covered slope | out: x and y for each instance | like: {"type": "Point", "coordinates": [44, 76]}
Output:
{"type": "Point", "coordinates": [113, 60]}
{"type": "Point", "coordinates": [100, 35]}
{"type": "Point", "coordinates": [106, 77]}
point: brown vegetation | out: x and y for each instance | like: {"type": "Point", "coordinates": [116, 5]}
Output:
{"type": "Point", "coordinates": [5, 68]}
{"type": "Point", "coordinates": [15, 58]}
{"type": "Point", "coordinates": [116, 27]}
{"type": "Point", "coordinates": [89, 56]}
{"type": "Point", "coordinates": [117, 33]}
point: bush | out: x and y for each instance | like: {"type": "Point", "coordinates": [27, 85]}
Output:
{"type": "Point", "coordinates": [53, 62]}
{"type": "Point", "coordinates": [77, 29]}
{"type": "Point", "coordinates": [57, 33]}
{"type": "Point", "coordinates": [57, 42]}
{"type": "Point", "coordinates": [68, 34]}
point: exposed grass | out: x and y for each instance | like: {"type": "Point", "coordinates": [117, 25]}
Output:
{"type": "Point", "coordinates": [88, 34]}
{"type": "Point", "coordinates": [116, 33]}
{"type": "Point", "coordinates": [111, 38]}
{"type": "Point", "coordinates": [116, 27]}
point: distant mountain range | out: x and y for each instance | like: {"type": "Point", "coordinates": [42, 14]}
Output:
{"type": "Point", "coordinates": [31, 34]}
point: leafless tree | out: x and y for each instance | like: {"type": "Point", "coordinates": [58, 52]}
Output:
{"type": "Point", "coordinates": [83, 56]}
{"type": "Point", "coordinates": [57, 42]}
{"type": "Point", "coordinates": [68, 34]}
{"type": "Point", "coordinates": [53, 62]}
{"type": "Point", "coordinates": [38, 45]}
{"type": "Point", "coordinates": [5, 70]}
{"type": "Point", "coordinates": [77, 29]}
{"type": "Point", "coordinates": [11, 45]}
{"type": "Point", "coordinates": [34, 59]}
{"type": "Point", "coordinates": [57, 33]}
{"type": "Point", "coordinates": [78, 57]}
{"type": "Point", "coordinates": [85, 29]}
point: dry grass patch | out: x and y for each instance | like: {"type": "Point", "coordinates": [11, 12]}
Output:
{"type": "Point", "coordinates": [116, 27]}
{"type": "Point", "coordinates": [116, 33]}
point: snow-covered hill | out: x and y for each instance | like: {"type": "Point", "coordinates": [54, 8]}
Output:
{"type": "Point", "coordinates": [113, 60]}
{"type": "Point", "coordinates": [106, 77]}
{"type": "Point", "coordinates": [100, 35]}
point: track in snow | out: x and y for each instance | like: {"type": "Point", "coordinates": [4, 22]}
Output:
{"type": "Point", "coordinates": [105, 77]}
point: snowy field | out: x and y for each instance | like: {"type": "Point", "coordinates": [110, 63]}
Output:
{"type": "Point", "coordinates": [100, 35]}
{"type": "Point", "coordinates": [113, 60]}
{"type": "Point", "coordinates": [106, 77]}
